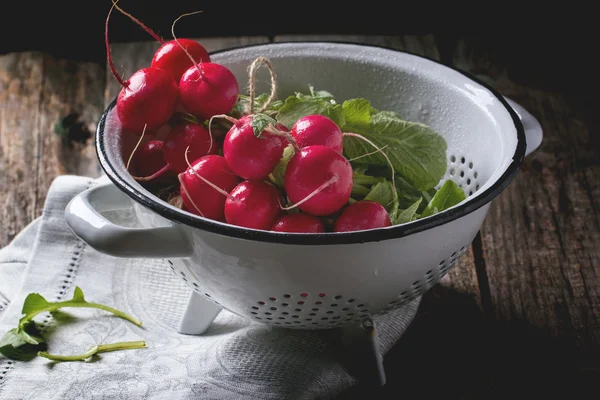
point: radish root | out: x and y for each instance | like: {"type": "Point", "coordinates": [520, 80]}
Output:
{"type": "Point", "coordinates": [368, 154]}
{"type": "Point", "coordinates": [136, 147]}
{"type": "Point", "coordinates": [183, 48]}
{"type": "Point", "coordinates": [331, 181]}
{"type": "Point", "coordinates": [188, 195]}
{"type": "Point", "coordinates": [378, 150]}
{"type": "Point", "coordinates": [251, 72]}
{"type": "Point", "coordinates": [137, 21]}
{"type": "Point", "coordinates": [209, 183]}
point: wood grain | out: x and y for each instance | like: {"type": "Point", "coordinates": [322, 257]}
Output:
{"type": "Point", "coordinates": [36, 91]}
{"type": "Point", "coordinates": [541, 245]}
{"type": "Point", "coordinates": [132, 56]}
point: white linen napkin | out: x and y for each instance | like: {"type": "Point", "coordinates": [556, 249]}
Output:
{"type": "Point", "coordinates": [235, 359]}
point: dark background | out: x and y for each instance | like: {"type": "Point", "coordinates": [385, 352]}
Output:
{"type": "Point", "coordinates": [543, 47]}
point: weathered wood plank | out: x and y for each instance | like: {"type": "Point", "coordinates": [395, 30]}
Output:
{"type": "Point", "coordinates": [541, 245]}
{"type": "Point", "coordinates": [36, 92]}
{"type": "Point", "coordinates": [130, 57]}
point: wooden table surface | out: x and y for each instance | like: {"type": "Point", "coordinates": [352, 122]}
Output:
{"type": "Point", "coordinates": [518, 315]}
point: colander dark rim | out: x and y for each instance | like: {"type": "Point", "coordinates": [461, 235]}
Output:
{"type": "Point", "coordinates": [330, 238]}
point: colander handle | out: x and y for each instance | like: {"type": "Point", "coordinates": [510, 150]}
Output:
{"type": "Point", "coordinates": [83, 215]}
{"type": "Point", "coordinates": [533, 129]}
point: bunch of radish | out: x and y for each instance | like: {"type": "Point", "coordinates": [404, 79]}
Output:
{"type": "Point", "coordinates": [226, 178]}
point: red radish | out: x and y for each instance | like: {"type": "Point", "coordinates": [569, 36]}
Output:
{"type": "Point", "coordinates": [148, 97]}
{"type": "Point", "coordinates": [171, 57]}
{"type": "Point", "coordinates": [298, 223]}
{"type": "Point", "coordinates": [362, 215]}
{"type": "Point", "coordinates": [204, 186]}
{"type": "Point", "coordinates": [318, 180]}
{"type": "Point", "coordinates": [253, 204]}
{"type": "Point", "coordinates": [194, 136]}
{"type": "Point", "coordinates": [208, 89]}
{"type": "Point", "coordinates": [149, 159]}
{"type": "Point", "coordinates": [317, 129]}
{"type": "Point", "coordinates": [251, 157]}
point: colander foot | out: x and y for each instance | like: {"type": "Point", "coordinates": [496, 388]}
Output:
{"type": "Point", "coordinates": [364, 359]}
{"type": "Point", "coordinates": [199, 314]}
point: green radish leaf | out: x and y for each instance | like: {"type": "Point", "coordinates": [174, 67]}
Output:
{"type": "Point", "coordinates": [25, 341]}
{"type": "Point", "coordinates": [408, 195]}
{"type": "Point", "coordinates": [409, 214]}
{"type": "Point", "coordinates": [243, 103]}
{"type": "Point", "coordinates": [22, 344]}
{"type": "Point", "coordinates": [357, 115]}
{"type": "Point", "coordinates": [33, 302]}
{"type": "Point", "coordinates": [390, 114]}
{"type": "Point", "coordinates": [260, 122]}
{"type": "Point", "coordinates": [278, 174]}
{"type": "Point", "coordinates": [295, 108]}
{"type": "Point", "coordinates": [448, 196]}
{"type": "Point", "coordinates": [360, 178]}
{"type": "Point", "coordinates": [36, 304]}
{"type": "Point", "coordinates": [382, 193]}
{"type": "Point", "coordinates": [322, 94]}
{"type": "Point", "coordinates": [416, 151]}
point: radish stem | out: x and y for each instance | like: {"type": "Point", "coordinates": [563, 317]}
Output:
{"type": "Point", "coordinates": [274, 131]}
{"type": "Point", "coordinates": [140, 23]}
{"type": "Point", "coordinates": [111, 65]}
{"type": "Point", "coordinates": [183, 48]}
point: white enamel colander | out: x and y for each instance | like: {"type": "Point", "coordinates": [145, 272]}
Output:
{"type": "Point", "coordinates": [321, 281]}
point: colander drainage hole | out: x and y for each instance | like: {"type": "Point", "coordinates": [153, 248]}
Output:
{"type": "Point", "coordinates": [285, 313]}
{"type": "Point", "coordinates": [254, 308]}
{"type": "Point", "coordinates": [312, 314]}
{"type": "Point", "coordinates": [287, 296]}
{"type": "Point", "coordinates": [274, 308]}
{"type": "Point", "coordinates": [273, 298]}
{"type": "Point", "coordinates": [462, 160]}
{"type": "Point", "coordinates": [284, 304]}
{"type": "Point", "coordinates": [350, 300]}
{"type": "Point", "coordinates": [318, 302]}
{"type": "Point", "coordinates": [337, 297]}
{"type": "Point", "coordinates": [453, 159]}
